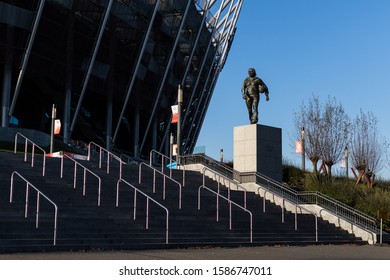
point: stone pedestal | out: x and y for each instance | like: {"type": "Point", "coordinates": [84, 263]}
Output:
{"type": "Point", "coordinates": [257, 148]}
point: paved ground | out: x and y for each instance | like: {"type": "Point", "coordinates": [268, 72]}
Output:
{"type": "Point", "coordinates": [321, 252]}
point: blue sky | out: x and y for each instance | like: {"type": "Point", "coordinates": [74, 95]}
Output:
{"type": "Point", "coordinates": [301, 48]}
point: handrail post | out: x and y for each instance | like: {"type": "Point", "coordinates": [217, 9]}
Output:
{"type": "Point", "coordinates": [37, 212]}
{"type": "Point", "coordinates": [26, 201]}
{"type": "Point", "coordinates": [100, 157]}
{"type": "Point", "coordinates": [32, 155]}
{"type": "Point", "coordinates": [75, 175]}
{"type": "Point", "coordinates": [84, 181]}
{"type": "Point", "coordinates": [62, 167]}
{"type": "Point", "coordinates": [147, 213]}
{"type": "Point", "coordinates": [25, 150]}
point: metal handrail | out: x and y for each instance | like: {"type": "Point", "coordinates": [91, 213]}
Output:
{"type": "Point", "coordinates": [326, 210]}
{"type": "Point", "coordinates": [39, 194]}
{"type": "Point", "coordinates": [296, 210]}
{"type": "Point", "coordinates": [225, 178]}
{"type": "Point", "coordinates": [32, 151]}
{"type": "Point", "coordinates": [338, 208]}
{"type": "Point", "coordinates": [359, 218]}
{"type": "Point", "coordinates": [163, 164]}
{"type": "Point", "coordinates": [147, 206]}
{"type": "Point", "coordinates": [85, 169]}
{"type": "Point", "coordinates": [211, 163]}
{"type": "Point", "coordinates": [109, 154]}
{"type": "Point", "coordinates": [154, 180]}
{"type": "Point", "coordinates": [230, 209]}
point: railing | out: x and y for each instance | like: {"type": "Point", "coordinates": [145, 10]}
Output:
{"type": "Point", "coordinates": [148, 198]}
{"type": "Point", "coordinates": [171, 162]}
{"type": "Point", "coordinates": [32, 151]}
{"type": "Point", "coordinates": [230, 209]}
{"type": "Point", "coordinates": [39, 194]}
{"type": "Point", "coordinates": [348, 213]}
{"type": "Point", "coordinates": [101, 155]}
{"type": "Point", "coordinates": [296, 210]}
{"type": "Point", "coordinates": [154, 180]}
{"type": "Point", "coordinates": [85, 170]}
{"type": "Point", "coordinates": [225, 179]}
{"type": "Point", "coordinates": [209, 162]}
{"type": "Point", "coordinates": [338, 208]}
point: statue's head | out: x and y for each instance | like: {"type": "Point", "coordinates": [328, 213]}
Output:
{"type": "Point", "coordinates": [252, 72]}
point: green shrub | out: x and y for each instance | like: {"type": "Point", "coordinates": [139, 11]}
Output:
{"type": "Point", "coordinates": [367, 200]}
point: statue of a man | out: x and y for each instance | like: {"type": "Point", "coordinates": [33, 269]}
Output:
{"type": "Point", "coordinates": [251, 89]}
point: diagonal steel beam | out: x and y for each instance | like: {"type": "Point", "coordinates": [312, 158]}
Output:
{"type": "Point", "coordinates": [130, 88]}
{"type": "Point", "coordinates": [26, 57]}
{"type": "Point", "coordinates": [91, 64]}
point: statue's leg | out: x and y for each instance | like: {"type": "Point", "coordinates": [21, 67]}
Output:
{"type": "Point", "coordinates": [249, 102]}
{"type": "Point", "coordinates": [255, 106]}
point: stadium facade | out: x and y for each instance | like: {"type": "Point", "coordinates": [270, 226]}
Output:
{"type": "Point", "coordinates": [113, 67]}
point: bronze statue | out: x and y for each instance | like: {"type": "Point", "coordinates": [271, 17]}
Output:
{"type": "Point", "coordinates": [251, 89]}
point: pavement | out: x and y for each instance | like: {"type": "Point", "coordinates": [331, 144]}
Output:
{"type": "Point", "coordinates": [318, 252]}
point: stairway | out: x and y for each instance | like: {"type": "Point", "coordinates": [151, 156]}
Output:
{"type": "Point", "coordinates": [83, 225]}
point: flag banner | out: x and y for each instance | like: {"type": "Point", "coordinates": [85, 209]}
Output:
{"type": "Point", "coordinates": [175, 113]}
{"type": "Point", "coordinates": [174, 149]}
{"type": "Point", "coordinates": [57, 126]}
{"type": "Point", "coordinates": [343, 163]}
{"type": "Point", "coordinates": [298, 147]}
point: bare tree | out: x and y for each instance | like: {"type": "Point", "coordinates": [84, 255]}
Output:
{"type": "Point", "coordinates": [366, 149]}
{"type": "Point", "coordinates": [334, 133]}
{"type": "Point", "coordinates": [309, 118]}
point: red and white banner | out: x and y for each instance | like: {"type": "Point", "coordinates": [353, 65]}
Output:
{"type": "Point", "coordinates": [298, 147]}
{"type": "Point", "coordinates": [175, 113]}
{"type": "Point", "coordinates": [57, 126]}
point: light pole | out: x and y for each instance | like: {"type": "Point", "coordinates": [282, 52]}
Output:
{"type": "Point", "coordinates": [303, 148]}
{"type": "Point", "coordinates": [179, 103]}
{"type": "Point", "coordinates": [346, 161]}
{"type": "Point", "coordinates": [53, 117]}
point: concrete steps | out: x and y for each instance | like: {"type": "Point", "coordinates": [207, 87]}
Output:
{"type": "Point", "coordinates": [82, 225]}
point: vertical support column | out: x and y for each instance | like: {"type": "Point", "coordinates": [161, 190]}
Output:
{"type": "Point", "coordinates": [137, 119]}
{"type": "Point", "coordinates": [67, 105]}
{"type": "Point", "coordinates": [69, 78]}
{"type": "Point", "coordinates": [6, 90]}
{"type": "Point", "coordinates": [109, 121]}
{"type": "Point", "coordinates": [154, 136]}
{"type": "Point", "coordinates": [7, 78]}
{"type": "Point", "coordinates": [26, 57]}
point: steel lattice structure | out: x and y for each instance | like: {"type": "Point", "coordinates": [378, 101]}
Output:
{"type": "Point", "coordinates": [112, 67]}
